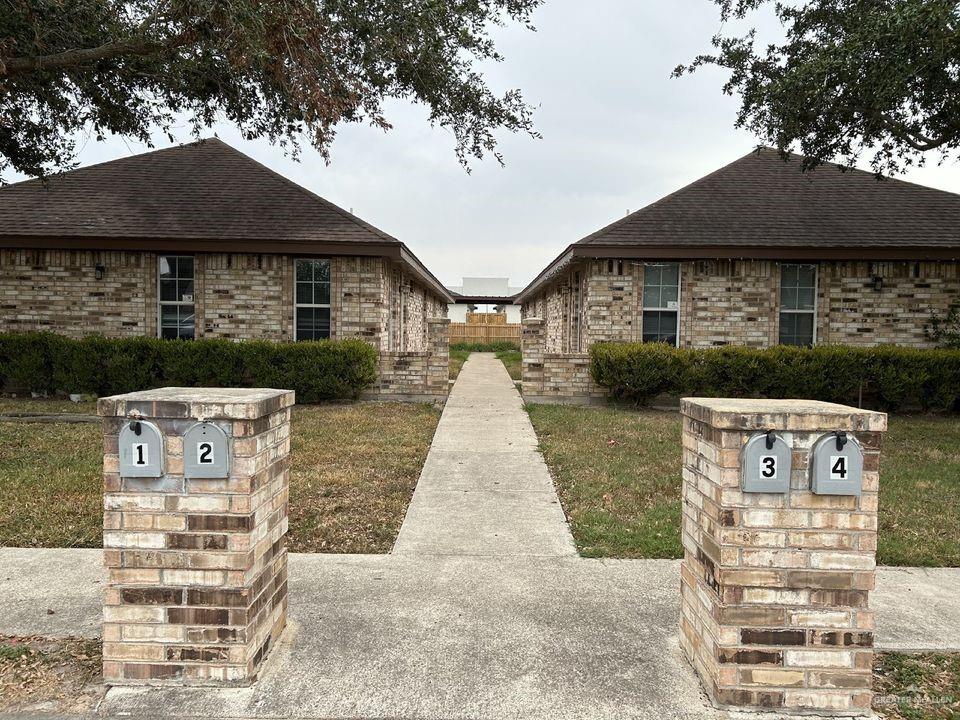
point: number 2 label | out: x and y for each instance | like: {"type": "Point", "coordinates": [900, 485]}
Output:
{"type": "Point", "coordinates": [205, 453]}
{"type": "Point", "coordinates": [141, 454]}
{"type": "Point", "coordinates": [768, 467]}
{"type": "Point", "coordinates": [838, 467]}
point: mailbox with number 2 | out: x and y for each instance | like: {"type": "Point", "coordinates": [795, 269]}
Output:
{"type": "Point", "coordinates": [205, 452]}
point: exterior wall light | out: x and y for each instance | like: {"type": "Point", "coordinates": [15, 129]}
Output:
{"type": "Point", "coordinates": [99, 271]}
{"type": "Point", "coordinates": [877, 283]}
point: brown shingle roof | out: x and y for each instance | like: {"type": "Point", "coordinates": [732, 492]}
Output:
{"type": "Point", "coordinates": [762, 206]}
{"type": "Point", "coordinates": [762, 200]}
{"type": "Point", "coordinates": [204, 196]}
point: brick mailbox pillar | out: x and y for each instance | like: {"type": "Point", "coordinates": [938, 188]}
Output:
{"type": "Point", "coordinates": [775, 582]}
{"type": "Point", "coordinates": [195, 517]}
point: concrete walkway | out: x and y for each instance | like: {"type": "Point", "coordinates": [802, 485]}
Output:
{"type": "Point", "coordinates": [485, 489]}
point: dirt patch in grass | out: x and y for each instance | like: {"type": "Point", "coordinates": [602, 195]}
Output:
{"type": "Point", "coordinates": [46, 675]}
{"type": "Point", "coordinates": [925, 686]}
{"type": "Point", "coordinates": [354, 468]}
{"type": "Point", "coordinates": [618, 475]}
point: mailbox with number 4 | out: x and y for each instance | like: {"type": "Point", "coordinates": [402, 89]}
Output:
{"type": "Point", "coordinates": [205, 452]}
{"type": "Point", "coordinates": [141, 450]}
{"type": "Point", "coordinates": [836, 465]}
{"type": "Point", "coordinates": [765, 462]}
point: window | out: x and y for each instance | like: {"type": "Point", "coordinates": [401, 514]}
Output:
{"type": "Point", "coordinates": [177, 316]}
{"type": "Point", "coordinates": [661, 303]}
{"type": "Point", "coordinates": [798, 304]}
{"type": "Point", "coordinates": [312, 300]}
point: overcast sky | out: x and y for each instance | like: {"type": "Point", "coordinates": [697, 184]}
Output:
{"type": "Point", "coordinates": [618, 133]}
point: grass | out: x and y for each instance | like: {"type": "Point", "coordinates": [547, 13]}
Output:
{"type": "Point", "coordinates": [458, 357]}
{"type": "Point", "coordinates": [512, 361]}
{"type": "Point", "coordinates": [917, 687]}
{"type": "Point", "coordinates": [354, 468]}
{"type": "Point", "coordinates": [618, 476]}
{"type": "Point", "coordinates": [44, 406]}
{"type": "Point", "coordinates": [507, 353]}
{"type": "Point", "coordinates": [50, 675]}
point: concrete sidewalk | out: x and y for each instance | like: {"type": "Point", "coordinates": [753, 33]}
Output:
{"type": "Point", "coordinates": [485, 489]}
{"type": "Point", "coordinates": [446, 637]}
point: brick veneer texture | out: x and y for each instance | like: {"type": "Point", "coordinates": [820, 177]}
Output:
{"type": "Point", "coordinates": [197, 568]}
{"type": "Point", "coordinates": [554, 377]}
{"type": "Point", "coordinates": [775, 587]}
{"type": "Point", "coordinates": [419, 376]}
{"type": "Point", "coordinates": [736, 302]}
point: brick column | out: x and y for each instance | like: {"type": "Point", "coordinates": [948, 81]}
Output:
{"type": "Point", "coordinates": [438, 345]}
{"type": "Point", "coordinates": [197, 566]}
{"type": "Point", "coordinates": [775, 586]}
{"type": "Point", "coordinates": [533, 345]}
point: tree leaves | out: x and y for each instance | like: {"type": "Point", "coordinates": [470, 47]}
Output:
{"type": "Point", "coordinates": [879, 78]}
{"type": "Point", "coordinates": [281, 69]}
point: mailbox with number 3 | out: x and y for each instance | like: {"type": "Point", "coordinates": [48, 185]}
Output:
{"type": "Point", "coordinates": [836, 465]}
{"type": "Point", "coordinates": [205, 452]}
{"type": "Point", "coordinates": [765, 464]}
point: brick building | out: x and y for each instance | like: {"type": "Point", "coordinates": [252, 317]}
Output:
{"type": "Point", "coordinates": [202, 241]}
{"type": "Point", "coordinates": [757, 253]}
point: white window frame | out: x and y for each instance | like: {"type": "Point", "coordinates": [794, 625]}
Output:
{"type": "Point", "coordinates": [816, 299]}
{"type": "Point", "coordinates": [644, 308]}
{"type": "Point", "coordinates": [161, 302]}
{"type": "Point", "coordinates": [298, 305]}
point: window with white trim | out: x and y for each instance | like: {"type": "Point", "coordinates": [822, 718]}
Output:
{"type": "Point", "coordinates": [798, 304]}
{"type": "Point", "coordinates": [176, 309]}
{"type": "Point", "coordinates": [661, 303]}
{"type": "Point", "coordinates": [312, 299]}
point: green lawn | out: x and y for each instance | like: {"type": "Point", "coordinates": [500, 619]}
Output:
{"type": "Point", "coordinates": [511, 359]}
{"type": "Point", "coordinates": [354, 468]}
{"type": "Point", "coordinates": [618, 476]}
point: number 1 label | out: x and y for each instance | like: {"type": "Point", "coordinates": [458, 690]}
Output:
{"type": "Point", "coordinates": [205, 453]}
{"type": "Point", "coordinates": [768, 467]}
{"type": "Point", "coordinates": [141, 454]}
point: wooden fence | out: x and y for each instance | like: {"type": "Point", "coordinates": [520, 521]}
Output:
{"type": "Point", "coordinates": [484, 333]}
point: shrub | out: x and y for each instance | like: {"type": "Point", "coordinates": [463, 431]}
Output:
{"type": "Point", "coordinates": [887, 377]}
{"type": "Point", "coordinates": [322, 370]}
{"type": "Point", "coordinates": [945, 331]}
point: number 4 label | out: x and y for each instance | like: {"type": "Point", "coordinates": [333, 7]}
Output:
{"type": "Point", "coordinates": [141, 454]}
{"type": "Point", "coordinates": [768, 467]}
{"type": "Point", "coordinates": [205, 453]}
{"type": "Point", "coordinates": [838, 467]}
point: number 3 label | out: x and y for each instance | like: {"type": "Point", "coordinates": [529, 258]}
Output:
{"type": "Point", "coordinates": [205, 453]}
{"type": "Point", "coordinates": [768, 467]}
{"type": "Point", "coordinates": [838, 467]}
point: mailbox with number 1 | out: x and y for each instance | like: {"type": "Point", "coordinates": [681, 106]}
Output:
{"type": "Point", "coordinates": [141, 450]}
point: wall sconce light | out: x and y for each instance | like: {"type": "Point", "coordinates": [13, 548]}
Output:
{"type": "Point", "coordinates": [877, 283]}
{"type": "Point", "coordinates": [99, 271]}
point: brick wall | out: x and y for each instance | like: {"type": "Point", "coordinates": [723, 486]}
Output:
{"type": "Point", "coordinates": [237, 296]}
{"type": "Point", "coordinates": [775, 586]}
{"type": "Point", "coordinates": [737, 302]}
{"type": "Point", "coordinates": [416, 375]}
{"type": "Point", "coordinates": [549, 377]}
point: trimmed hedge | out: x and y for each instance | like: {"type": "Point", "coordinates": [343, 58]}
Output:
{"type": "Point", "coordinates": [46, 363]}
{"type": "Point", "coordinates": [887, 377]}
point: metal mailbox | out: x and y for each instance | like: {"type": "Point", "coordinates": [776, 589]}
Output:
{"type": "Point", "coordinates": [141, 450]}
{"type": "Point", "coordinates": [766, 461]}
{"type": "Point", "coordinates": [206, 452]}
{"type": "Point", "coordinates": [836, 465]}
